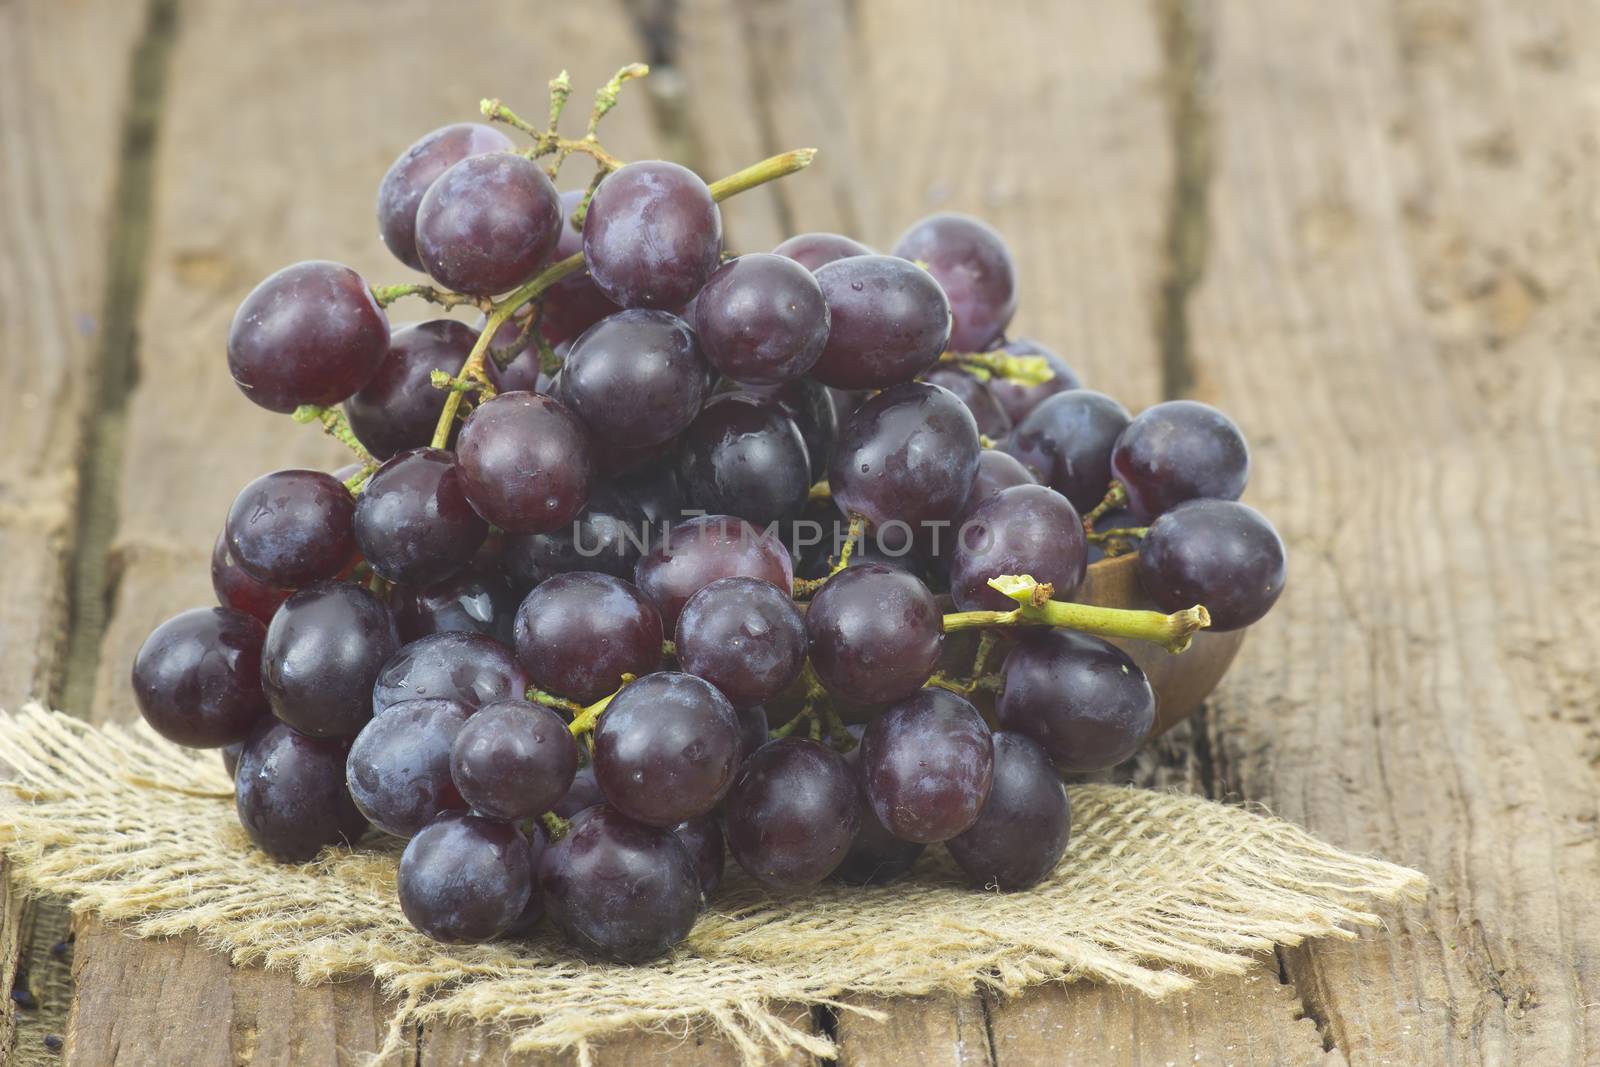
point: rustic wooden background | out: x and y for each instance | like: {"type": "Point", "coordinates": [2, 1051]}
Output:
{"type": "Point", "coordinates": [1366, 228]}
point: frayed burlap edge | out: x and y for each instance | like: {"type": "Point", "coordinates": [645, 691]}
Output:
{"type": "Point", "coordinates": [1155, 888]}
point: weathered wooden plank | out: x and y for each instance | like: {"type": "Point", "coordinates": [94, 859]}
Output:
{"type": "Point", "coordinates": [1398, 305]}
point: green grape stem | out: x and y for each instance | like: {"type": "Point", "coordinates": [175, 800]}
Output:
{"type": "Point", "coordinates": [337, 427]}
{"type": "Point", "coordinates": [1116, 496]}
{"type": "Point", "coordinates": [1024, 370]}
{"type": "Point", "coordinates": [1035, 607]}
{"type": "Point", "coordinates": [388, 294]}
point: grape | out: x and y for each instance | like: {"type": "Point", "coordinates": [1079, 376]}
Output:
{"type": "Point", "coordinates": [875, 634]}
{"type": "Point", "coordinates": [1018, 399]}
{"type": "Point", "coordinates": [290, 528]}
{"type": "Point", "coordinates": [696, 552]}
{"type": "Point", "coordinates": [809, 404]}
{"type": "Point", "coordinates": [538, 840]}
{"type": "Point", "coordinates": [607, 536]}
{"type": "Point", "coordinates": [399, 408]}
{"type": "Point", "coordinates": [1023, 829]}
{"type": "Point", "coordinates": [525, 462]}
{"type": "Point", "coordinates": [584, 793]}
{"type": "Point", "coordinates": [520, 373]}
{"type": "Point", "coordinates": [413, 523]}
{"type": "Point", "coordinates": [1176, 451]}
{"type": "Point", "coordinates": [323, 651]}
{"type": "Point", "coordinates": [819, 535]}
{"type": "Point", "coordinates": [753, 732]}
{"type": "Point", "coordinates": [197, 677]}
{"type": "Point", "coordinates": [992, 420]}
{"type": "Point", "coordinates": [927, 763]}
{"type": "Point", "coordinates": [464, 878]}
{"type": "Point", "coordinates": [1067, 442]}
{"type": "Point", "coordinates": [656, 493]}
{"type": "Point", "coordinates": [478, 600]}
{"type": "Point", "coordinates": [619, 889]}
{"type": "Point", "coordinates": [575, 303]}
{"type": "Point", "coordinates": [812, 250]}
{"type": "Point", "coordinates": [1085, 700]}
{"type": "Point", "coordinates": [666, 748]}
{"type": "Point", "coordinates": [702, 837]}
{"type": "Point", "coordinates": [236, 589]}
{"type": "Point", "coordinates": [652, 236]}
{"type": "Point", "coordinates": [310, 334]}
{"type": "Point", "coordinates": [996, 471]}
{"type": "Point", "coordinates": [761, 319]}
{"type": "Point", "coordinates": [845, 401]}
{"type": "Point", "coordinates": [877, 856]}
{"type": "Point", "coordinates": [973, 265]}
{"type": "Point", "coordinates": [1219, 553]}
{"type": "Point", "coordinates": [290, 794]}
{"type": "Point", "coordinates": [513, 760]}
{"type": "Point", "coordinates": [744, 456]}
{"type": "Point", "coordinates": [907, 455]}
{"type": "Point", "coordinates": [636, 377]}
{"type": "Point", "coordinates": [417, 168]}
{"type": "Point", "coordinates": [744, 636]}
{"type": "Point", "coordinates": [792, 813]}
{"type": "Point", "coordinates": [488, 224]}
{"type": "Point", "coordinates": [230, 757]}
{"type": "Point", "coordinates": [1027, 529]}
{"type": "Point", "coordinates": [398, 769]}
{"type": "Point", "coordinates": [889, 319]}
{"type": "Point", "coordinates": [578, 634]}
{"type": "Point", "coordinates": [468, 667]}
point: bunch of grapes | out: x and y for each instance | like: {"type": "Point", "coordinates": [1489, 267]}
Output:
{"type": "Point", "coordinates": [656, 491]}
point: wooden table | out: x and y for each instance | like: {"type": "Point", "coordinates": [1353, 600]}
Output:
{"type": "Point", "coordinates": [1365, 228]}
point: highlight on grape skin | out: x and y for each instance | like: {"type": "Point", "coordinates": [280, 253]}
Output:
{"type": "Point", "coordinates": [676, 553]}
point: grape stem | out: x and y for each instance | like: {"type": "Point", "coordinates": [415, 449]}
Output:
{"type": "Point", "coordinates": [1035, 607]}
{"type": "Point", "coordinates": [1024, 370]}
{"type": "Point", "coordinates": [388, 294]}
{"type": "Point", "coordinates": [806, 587]}
{"type": "Point", "coordinates": [555, 825]}
{"type": "Point", "coordinates": [767, 170]}
{"type": "Point", "coordinates": [1126, 533]}
{"type": "Point", "coordinates": [336, 426]}
{"type": "Point", "coordinates": [587, 716]}
{"type": "Point", "coordinates": [820, 491]}
{"type": "Point", "coordinates": [1116, 496]}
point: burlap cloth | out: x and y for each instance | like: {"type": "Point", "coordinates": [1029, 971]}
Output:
{"type": "Point", "coordinates": [1155, 889]}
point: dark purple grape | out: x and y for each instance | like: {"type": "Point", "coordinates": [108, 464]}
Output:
{"type": "Point", "coordinates": [1027, 529]}
{"type": "Point", "coordinates": [845, 401]}
{"type": "Point", "coordinates": [636, 377]}
{"type": "Point", "coordinates": [1067, 442]}
{"type": "Point", "coordinates": [323, 652]}
{"type": "Point", "coordinates": [656, 493]}
{"type": "Point", "coordinates": [197, 677]}
{"type": "Point", "coordinates": [792, 813]}
{"type": "Point", "coordinates": [478, 600]}
{"type": "Point", "coordinates": [744, 456]}
{"type": "Point", "coordinates": [810, 405]}
{"type": "Point", "coordinates": [877, 856]}
{"type": "Point", "coordinates": [236, 589]}
{"type": "Point", "coordinates": [1022, 831]}
{"type": "Point", "coordinates": [290, 528]}
{"type": "Point", "coordinates": [889, 319]}
{"type": "Point", "coordinates": [513, 760]}
{"type": "Point", "coordinates": [813, 250]}
{"type": "Point", "coordinates": [696, 552]}
{"type": "Point", "coordinates": [575, 303]}
{"type": "Point", "coordinates": [413, 522]}
{"type": "Point", "coordinates": [520, 373]}
{"type": "Point", "coordinates": [398, 769]}
{"type": "Point", "coordinates": [310, 334]}
{"type": "Point", "coordinates": [453, 665]}
{"type": "Point", "coordinates": [761, 319]}
{"type": "Point", "coordinates": [582, 794]}
{"type": "Point", "coordinates": [488, 224]}
{"type": "Point", "coordinates": [996, 471]}
{"type": "Point", "coordinates": [1219, 553]}
{"type": "Point", "coordinates": [992, 420]}
{"type": "Point", "coordinates": [525, 462]}
{"type": "Point", "coordinates": [464, 878]}
{"type": "Point", "coordinates": [652, 236]}
{"type": "Point", "coordinates": [927, 763]}
{"type": "Point", "coordinates": [875, 634]}
{"type": "Point", "coordinates": [1018, 399]}
{"type": "Point", "coordinates": [753, 730]}
{"type": "Point", "coordinates": [290, 794]}
{"type": "Point", "coordinates": [666, 748]}
{"type": "Point", "coordinates": [619, 889]}
{"type": "Point", "coordinates": [702, 838]}
{"type": "Point", "coordinates": [399, 408]}
{"type": "Point", "coordinates": [538, 840]}
{"type": "Point", "coordinates": [417, 168]}
{"type": "Point", "coordinates": [973, 265]}
{"type": "Point", "coordinates": [744, 636]}
{"type": "Point", "coordinates": [908, 456]}
{"type": "Point", "coordinates": [578, 634]}
{"type": "Point", "coordinates": [1083, 699]}
{"type": "Point", "coordinates": [1176, 451]}
{"type": "Point", "coordinates": [230, 757]}
{"type": "Point", "coordinates": [608, 536]}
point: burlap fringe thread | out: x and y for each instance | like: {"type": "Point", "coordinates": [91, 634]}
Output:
{"type": "Point", "coordinates": [1155, 887]}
